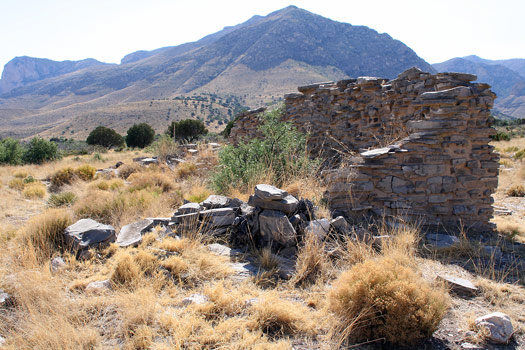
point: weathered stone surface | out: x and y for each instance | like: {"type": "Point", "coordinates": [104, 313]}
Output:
{"type": "Point", "coordinates": [221, 217]}
{"type": "Point", "coordinates": [319, 228]}
{"type": "Point", "coordinates": [87, 233]}
{"type": "Point", "coordinates": [131, 234]}
{"type": "Point", "coordinates": [275, 227]}
{"type": "Point", "coordinates": [459, 286]}
{"type": "Point", "coordinates": [497, 326]}
{"type": "Point", "coordinates": [223, 250]}
{"type": "Point", "coordinates": [269, 192]}
{"type": "Point", "coordinates": [189, 208]}
{"type": "Point", "coordinates": [98, 287]}
{"type": "Point", "coordinates": [215, 201]}
{"type": "Point", "coordinates": [440, 241]}
{"type": "Point", "coordinates": [4, 298]}
{"type": "Point", "coordinates": [57, 263]}
{"type": "Point", "coordinates": [188, 220]}
{"type": "Point", "coordinates": [287, 205]}
{"type": "Point", "coordinates": [341, 225]}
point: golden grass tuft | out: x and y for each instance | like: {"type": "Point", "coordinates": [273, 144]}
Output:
{"type": "Point", "coordinates": [34, 190]}
{"type": "Point", "coordinates": [16, 184]}
{"type": "Point", "coordinates": [86, 172]}
{"type": "Point", "coordinates": [198, 194]}
{"type": "Point", "coordinates": [385, 299]}
{"type": "Point", "coordinates": [151, 180]}
{"type": "Point", "coordinates": [124, 171]}
{"type": "Point", "coordinates": [185, 170]}
{"type": "Point", "coordinates": [126, 273]}
{"type": "Point", "coordinates": [313, 264]}
{"type": "Point", "coordinates": [64, 176]}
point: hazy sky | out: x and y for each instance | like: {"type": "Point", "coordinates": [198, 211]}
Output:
{"type": "Point", "coordinates": [109, 29]}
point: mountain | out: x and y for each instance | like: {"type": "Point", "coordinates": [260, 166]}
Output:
{"type": "Point", "coordinates": [250, 64]}
{"type": "Point", "coordinates": [24, 70]}
{"type": "Point", "coordinates": [506, 82]}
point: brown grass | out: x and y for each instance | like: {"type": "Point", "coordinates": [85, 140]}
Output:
{"type": "Point", "coordinates": [35, 190]}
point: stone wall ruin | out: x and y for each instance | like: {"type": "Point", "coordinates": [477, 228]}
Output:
{"type": "Point", "coordinates": [419, 145]}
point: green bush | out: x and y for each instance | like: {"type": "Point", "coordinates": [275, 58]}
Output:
{"type": "Point", "coordinates": [11, 152]}
{"type": "Point", "coordinates": [140, 135]}
{"type": "Point", "coordinates": [105, 137]}
{"type": "Point", "coordinates": [501, 136]}
{"type": "Point", "coordinates": [40, 150]}
{"type": "Point", "coordinates": [61, 199]}
{"type": "Point", "coordinates": [279, 155]}
{"type": "Point", "coordinates": [187, 129]}
{"type": "Point", "coordinates": [520, 154]}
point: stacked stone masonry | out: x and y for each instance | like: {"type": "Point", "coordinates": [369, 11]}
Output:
{"type": "Point", "coordinates": [422, 141]}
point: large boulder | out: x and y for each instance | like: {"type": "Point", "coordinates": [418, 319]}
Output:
{"type": "Point", "coordinates": [88, 233]}
{"type": "Point", "coordinates": [275, 227]}
{"type": "Point", "coordinates": [131, 234]}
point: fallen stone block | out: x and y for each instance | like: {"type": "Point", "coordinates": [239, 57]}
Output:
{"type": "Point", "coordinates": [189, 208]}
{"type": "Point", "coordinates": [341, 225]}
{"type": "Point", "coordinates": [319, 228]}
{"type": "Point", "coordinates": [497, 326]}
{"type": "Point", "coordinates": [275, 227]}
{"type": "Point", "coordinates": [88, 233]}
{"type": "Point", "coordinates": [441, 241]}
{"type": "Point", "coordinates": [269, 192]}
{"type": "Point", "coordinates": [131, 234]}
{"type": "Point", "coordinates": [459, 286]}
{"type": "Point", "coordinates": [287, 205]}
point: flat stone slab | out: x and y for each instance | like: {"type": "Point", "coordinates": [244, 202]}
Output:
{"type": "Point", "coordinates": [216, 201]}
{"type": "Point", "coordinates": [287, 205]}
{"type": "Point", "coordinates": [341, 225]}
{"type": "Point", "coordinates": [223, 250]}
{"type": "Point", "coordinates": [191, 219]}
{"type": "Point", "coordinates": [98, 286]}
{"type": "Point", "coordinates": [269, 192]}
{"type": "Point", "coordinates": [131, 234]}
{"type": "Point", "coordinates": [88, 233]}
{"type": "Point", "coordinates": [275, 227]}
{"type": "Point", "coordinates": [459, 286]}
{"type": "Point", "coordinates": [189, 208]}
{"type": "Point", "coordinates": [160, 221]}
{"type": "Point", "coordinates": [441, 241]}
{"type": "Point", "coordinates": [244, 270]}
{"type": "Point", "coordinates": [221, 217]}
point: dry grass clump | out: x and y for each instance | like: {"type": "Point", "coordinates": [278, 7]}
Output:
{"type": "Point", "coordinates": [44, 235]}
{"type": "Point", "coordinates": [34, 190]}
{"type": "Point", "coordinates": [62, 199]}
{"type": "Point", "coordinates": [385, 299]}
{"type": "Point", "coordinates": [313, 264]}
{"type": "Point", "coordinates": [86, 172]}
{"type": "Point", "coordinates": [151, 180]}
{"type": "Point", "coordinates": [185, 169]}
{"type": "Point", "coordinates": [124, 171]}
{"type": "Point", "coordinates": [516, 191]}
{"type": "Point", "coordinates": [108, 185]}
{"type": "Point", "coordinates": [176, 266]}
{"type": "Point", "coordinates": [126, 273]}
{"type": "Point", "coordinates": [198, 194]}
{"type": "Point", "coordinates": [16, 184]}
{"type": "Point", "coordinates": [62, 177]}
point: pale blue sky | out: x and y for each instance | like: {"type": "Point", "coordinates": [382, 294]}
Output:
{"type": "Point", "coordinates": [109, 29]}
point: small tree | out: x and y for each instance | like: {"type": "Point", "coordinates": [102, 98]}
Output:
{"type": "Point", "coordinates": [187, 129]}
{"type": "Point", "coordinates": [140, 135]}
{"type": "Point", "coordinates": [40, 150]}
{"type": "Point", "coordinates": [105, 137]}
{"type": "Point", "coordinates": [11, 152]}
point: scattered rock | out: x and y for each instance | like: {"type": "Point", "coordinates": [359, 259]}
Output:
{"type": "Point", "coordinates": [497, 326]}
{"type": "Point", "coordinates": [88, 233]}
{"type": "Point", "coordinates": [251, 302]}
{"type": "Point", "coordinates": [340, 225]}
{"type": "Point", "coordinates": [269, 192]}
{"type": "Point", "coordinates": [459, 286]}
{"type": "Point", "coordinates": [57, 264]}
{"type": "Point", "coordinates": [441, 241]}
{"type": "Point", "coordinates": [98, 286]}
{"type": "Point", "coordinates": [287, 205]}
{"type": "Point", "coordinates": [131, 234]}
{"type": "Point", "coordinates": [196, 299]}
{"type": "Point", "coordinates": [187, 220]}
{"type": "Point", "coordinates": [189, 208]}
{"type": "Point", "coordinates": [2, 341]}
{"type": "Point", "coordinates": [244, 270]}
{"type": "Point", "coordinates": [319, 228]}
{"type": "Point", "coordinates": [223, 250]}
{"type": "Point", "coordinates": [215, 201]}
{"type": "Point", "coordinates": [5, 299]}
{"type": "Point", "coordinates": [275, 227]}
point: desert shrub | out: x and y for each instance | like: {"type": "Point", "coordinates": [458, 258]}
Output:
{"type": "Point", "coordinates": [385, 299]}
{"type": "Point", "coordinates": [16, 184]}
{"type": "Point", "coordinates": [124, 171]}
{"type": "Point", "coordinates": [312, 263]}
{"type": "Point", "coordinates": [183, 170]}
{"type": "Point", "coordinates": [151, 180]}
{"type": "Point", "coordinates": [519, 154]}
{"type": "Point", "coordinates": [516, 191]}
{"type": "Point", "coordinates": [126, 272]}
{"type": "Point", "coordinates": [40, 150]}
{"type": "Point", "coordinates": [198, 194]}
{"type": "Point", "coordinates": [34, 190]}
{"type": "Point", "coordinates": [11, 152]}
{"type": "Point", "coordinates": [21, 174]}
{"type": "Point", "coordinates": [279, 155]}
{"type": "Point", "coordinates": [140, 135]}
{"type": "Point", "coordinates": [165, 146]}
{"type": "Point", "coordinates": [501, 136]}
{"type": "Point", "coordinates": [64, 176]}
{"type": "Point", "coordinates": [102, 185]}
{"type": "Point", "coordinates": [29, 180]}
{"type": "Point", "coordinates": [61, 199]}
{"type": "Point", "coordinates": [187, 129]}
{"type": "Point", "coordinates": [45, 233]}
{"type": "Point", "coordinates": [86, 172]}
{"type": "Point", "coordinates": [105, 137]}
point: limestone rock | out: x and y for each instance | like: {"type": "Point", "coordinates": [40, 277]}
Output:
{"type": "Point", "coordinates": [441, 241]}
{"type": "Point", "coordinates": [459, 285]}
{"type": "Point", "coordinates": [287, 205]}
{"type": "Point", "coordinates": [98, 286]}
{"type": "Point", "coordinates": [213, 218]}
{"type": "Point", "coordinates": [189, 208]}
{"type": "Point", "coordinates": [197, 299]}
{"type": "Point", "coordinates": [131, 234]}
{"type": "Point", "coordinates": [497, 325]}
{"type": "Point", "coordinates": [341, 225]}
{"type": "Point", "coordinates": [269, 192]}
{"type": "Point", "coordinates": [319, 228]}
{"type": "Point", "coordinates": [275, 227]}
{"type": "Point", "coordinates": [223, 250]}
{"type": "Point", "coordinates": [87, 233]}
{"type": "Point", "coordinates": [57, 264]}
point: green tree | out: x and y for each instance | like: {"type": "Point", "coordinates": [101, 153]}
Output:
{"type": "Point", "coordinates": [105, 137]}
{"type": "Point", "coordinates": [40, 150]}
{"type": "Point", "coordinates": [140, 135]}
{"type": "Point", "coordinates": [187, 129]}
{"type": "Point", "coordinates": [11, 152]}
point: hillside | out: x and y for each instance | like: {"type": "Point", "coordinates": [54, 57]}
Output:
{"type": "Point", "coordinates": [503, 75]}
{"type": "Point", "coordinates": [257, 61]}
